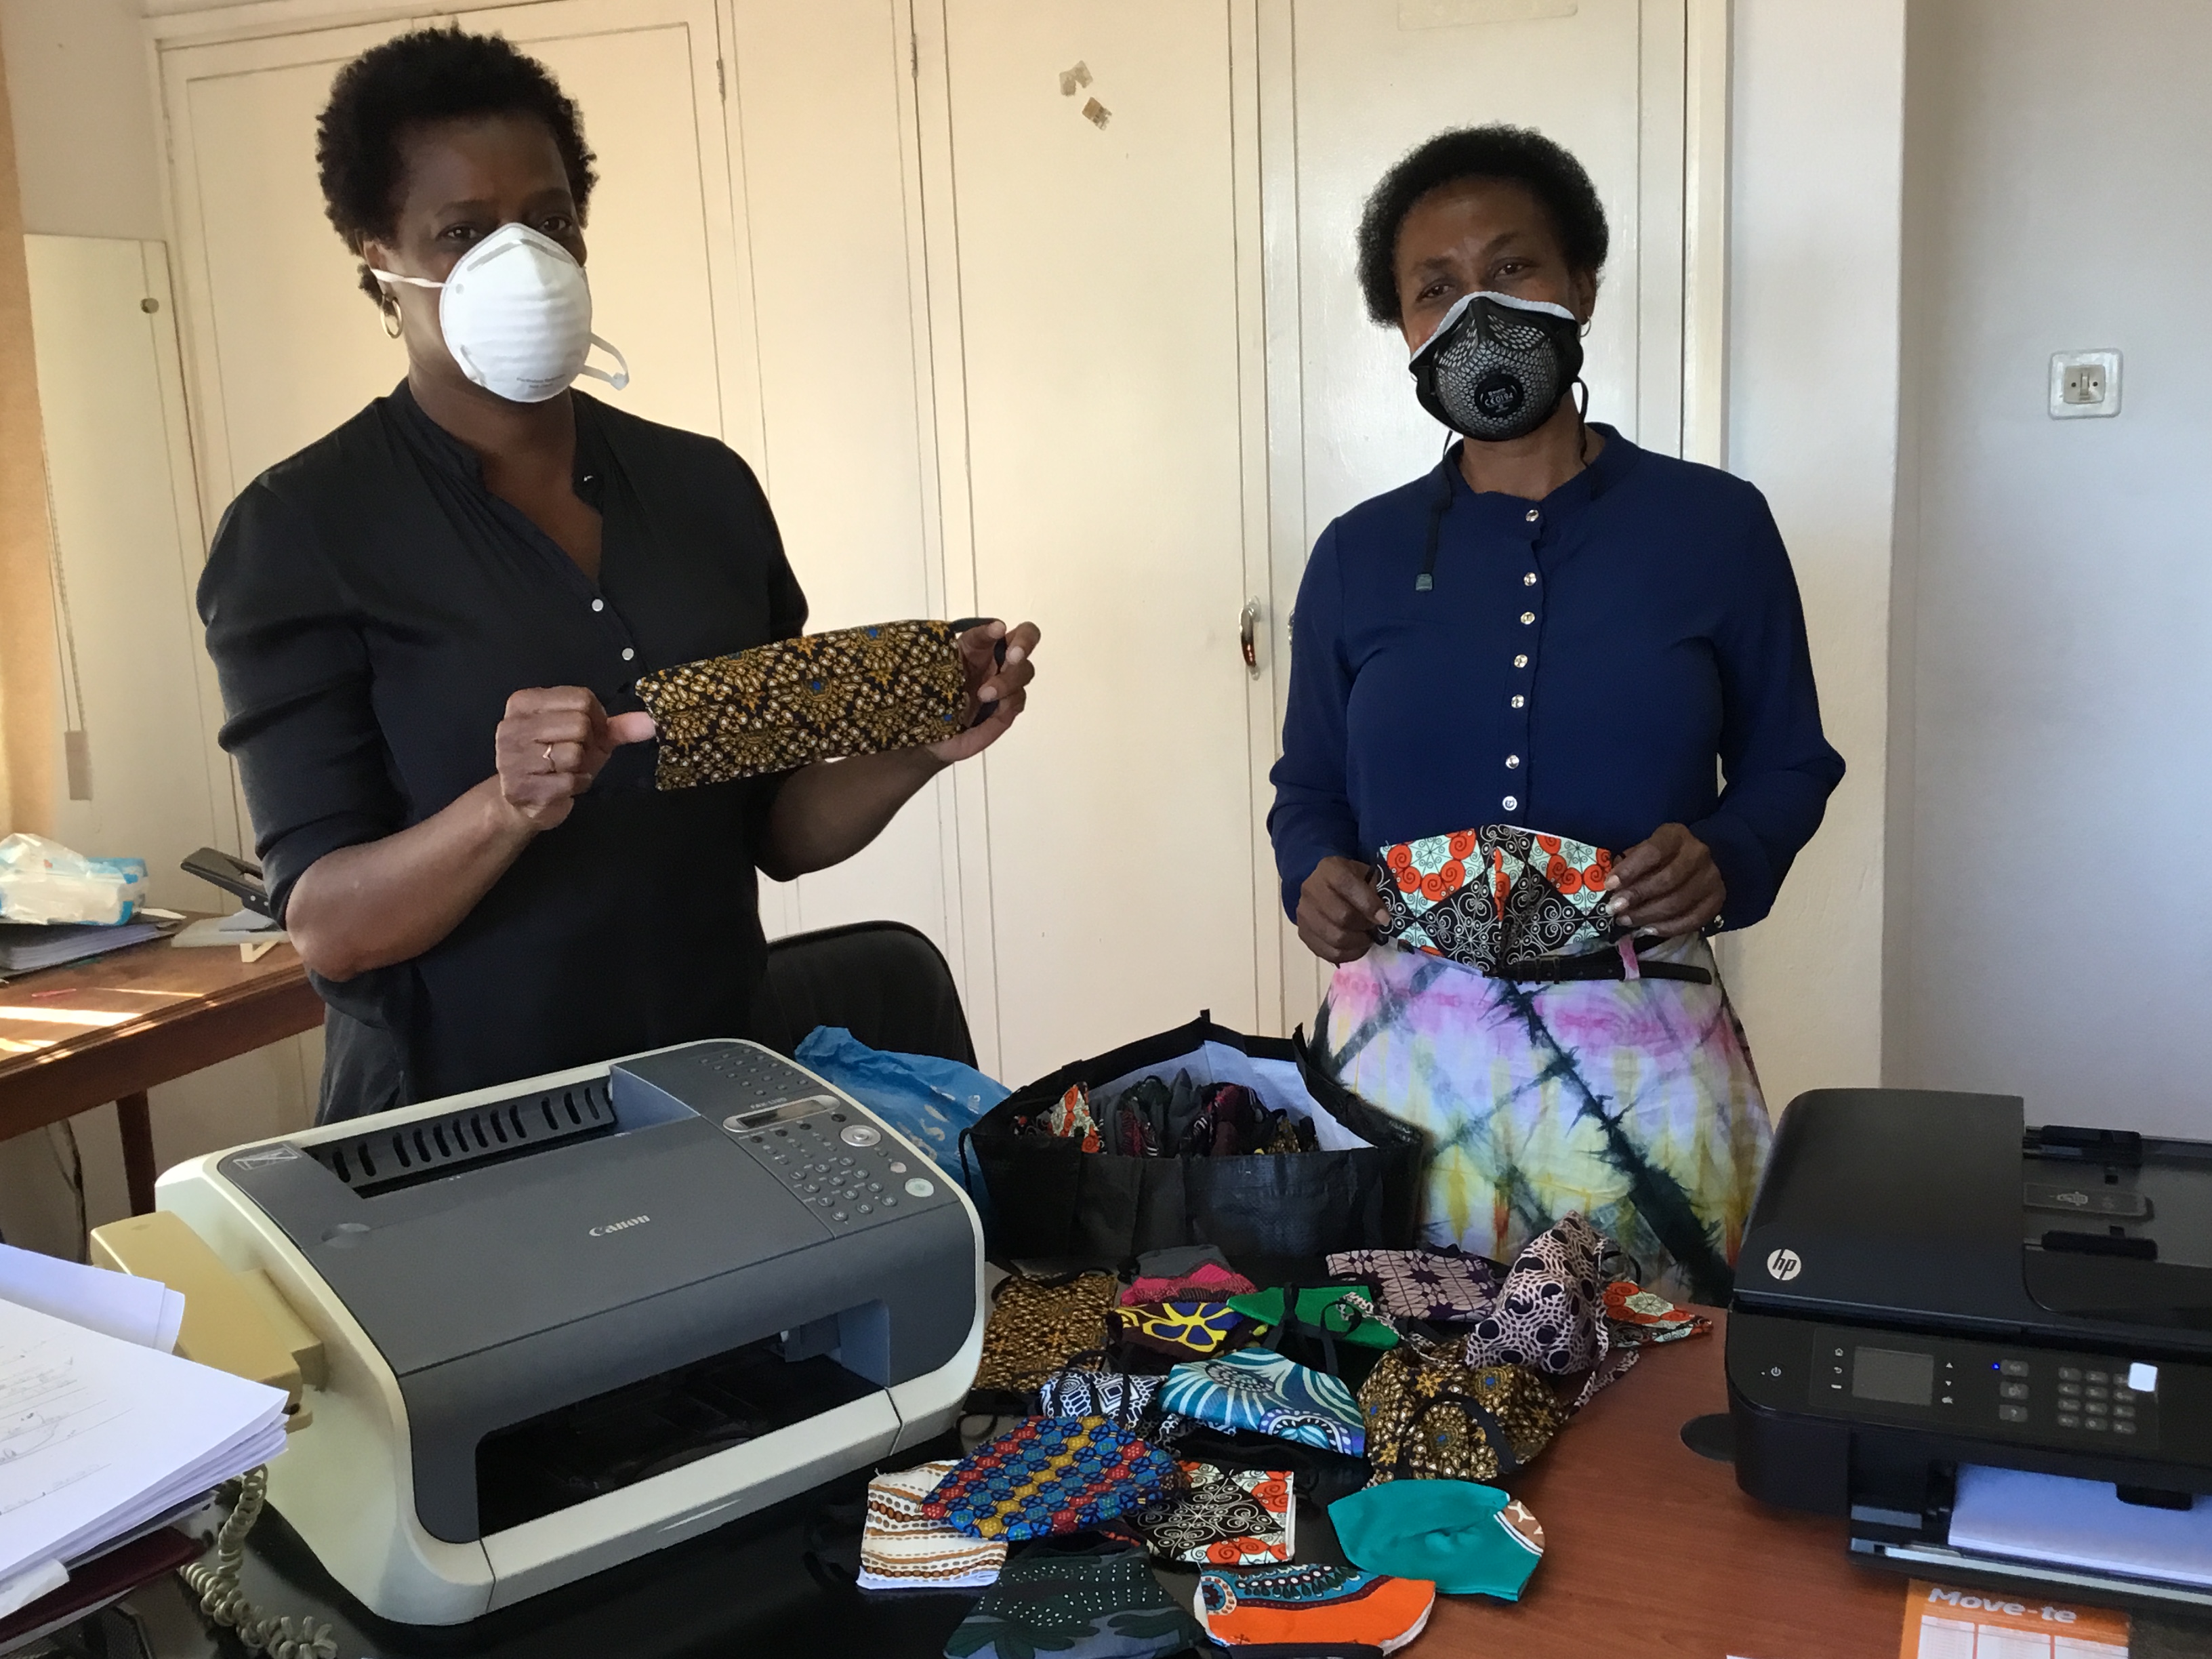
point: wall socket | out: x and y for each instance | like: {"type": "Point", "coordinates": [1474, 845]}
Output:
{"type": "Point", "coordinates": [2084, 384]}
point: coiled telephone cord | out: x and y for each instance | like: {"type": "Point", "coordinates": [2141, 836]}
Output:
{"type": "Point", "coordinates": [225, 1603]}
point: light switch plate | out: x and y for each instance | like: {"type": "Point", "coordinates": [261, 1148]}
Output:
{"type": "Point", "coordinates": [2084, 385]}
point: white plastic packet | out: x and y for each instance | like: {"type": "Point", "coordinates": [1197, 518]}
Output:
{"type": "Point", "coordinates": [43, 881]}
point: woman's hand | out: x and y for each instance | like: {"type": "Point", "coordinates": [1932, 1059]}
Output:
{"type": "Point", "coordinates": [1667, 885]}
{"type": "Point", "coordinates": [551, 745]}
{"type": "Point", "coordinates": [1002, 687]}
{"type": "Point", "coordinates": [1338, 909]}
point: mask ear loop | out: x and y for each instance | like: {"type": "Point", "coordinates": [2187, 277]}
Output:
{"type": "Point", "coordinates": [620, 378]}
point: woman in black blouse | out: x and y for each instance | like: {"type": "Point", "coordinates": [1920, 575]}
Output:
{"type": "Point", "coordinates": [428, 625]}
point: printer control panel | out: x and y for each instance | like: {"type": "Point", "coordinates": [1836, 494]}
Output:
{"type": "Point", "coordinates": [2053, 1398]}
{"type": "Point", "coordinates": [828, 1153]}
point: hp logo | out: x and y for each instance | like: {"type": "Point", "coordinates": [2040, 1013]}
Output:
{"type": "Point", "coordinates": [1784, 1264]}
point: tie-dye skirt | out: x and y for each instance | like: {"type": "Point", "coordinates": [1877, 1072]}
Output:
{"type": "Point", "coordinates": [1632, 1101]}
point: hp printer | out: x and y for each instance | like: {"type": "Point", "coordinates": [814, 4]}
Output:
{"type": "Point", "coordinates": [538, 1330]}
{"type": "Point", "coordinates": [1988, 1345]}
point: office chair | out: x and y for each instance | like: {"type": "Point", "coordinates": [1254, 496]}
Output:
{"type": "Point", "coordinates": [882, 981]}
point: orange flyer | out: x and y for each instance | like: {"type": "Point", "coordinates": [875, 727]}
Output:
{"type": "Point", "coordinates": [1943, 1621]}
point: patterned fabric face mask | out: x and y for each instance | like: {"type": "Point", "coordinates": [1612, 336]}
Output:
{"type": "Point", "coordinates": [1268, 1394]}
{"type": "Point", "coordinates": [903, 1549]}
{"type": "Point", "coordinates": [1640, 1317]}
{"type": "Point", "coordinates": [1178, 1328]}
{"type": "Point", "coordinates": [1091, 1605]}
{"type": "Point", "coordinates": [1431, 1417]}
{"type": "Point", "coordinates": [1550, 1312]}
{"type": "Point", "coordinates": [1424, 1284]}
{"type": "Point", "coordinates": [1226, 1518]}
{"type": "Point", "coordinates": [1492, 897]}
{"type": "Point", "coordinates": [853, 691]}
{"type": "Point", "coordinates": [1052, 1475]}
{"type": "Point", "coordinates": [1036, 1327]}
{"type": "Point", "coordinates": [1314, 1610]}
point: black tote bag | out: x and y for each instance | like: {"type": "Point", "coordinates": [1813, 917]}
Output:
{"type": "Point", "coordinates": [1052, 1200]}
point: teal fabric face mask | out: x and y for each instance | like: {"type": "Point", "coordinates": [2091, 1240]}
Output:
{"type": "Point", "coordinates": [1467, 1540]}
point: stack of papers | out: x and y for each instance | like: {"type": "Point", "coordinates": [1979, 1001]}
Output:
{"type": "Point", "coordinates": [142, 1311]}
{"type": "Point", "coordinates": [26, 947]}
{"type": "Point", "coordinates": [100, 1437]}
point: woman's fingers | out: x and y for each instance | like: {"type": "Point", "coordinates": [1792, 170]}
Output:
{"type": "Point", "coordinates": [1338, 909]}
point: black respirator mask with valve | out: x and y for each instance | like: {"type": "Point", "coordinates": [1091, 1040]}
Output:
{"type": "Point", "coordinates": [1497, 365]}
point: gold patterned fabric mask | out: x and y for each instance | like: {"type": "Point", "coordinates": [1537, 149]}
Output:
{"type": "Point", "coordinates": [852, 691]}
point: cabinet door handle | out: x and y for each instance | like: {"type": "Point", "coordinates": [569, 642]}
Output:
{"type": "Point", "coordinates": [1248, 635]}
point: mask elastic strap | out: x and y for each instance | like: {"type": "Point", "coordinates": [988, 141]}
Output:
{"type": "Point", "coordinates": [620, 378]}
{"type": "Point", "coordinates": [394, 276]}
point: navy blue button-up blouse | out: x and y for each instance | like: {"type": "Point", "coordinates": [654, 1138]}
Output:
{"type": "Point", "coordinates": [1593, 665]}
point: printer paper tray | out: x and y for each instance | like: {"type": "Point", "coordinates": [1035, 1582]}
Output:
{"type": "Point", "coordinates": [1974, 1567]}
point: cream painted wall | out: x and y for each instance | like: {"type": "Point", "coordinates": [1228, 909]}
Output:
{"type": "Point", "coordinates": [2052, 691]}
{"type": "Point", "coordinates": [87, 155]}
{"type": "Point", "coordinates": [1813, 338]}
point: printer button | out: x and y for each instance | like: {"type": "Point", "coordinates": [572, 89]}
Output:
{"type": "Point", "coordinates": [2097, 1423]}
{"type": "Point", "coordinates": [867, 1209]}
{"type": "Point", "coordinates": [858, 1134]}
{"type": "Point", "coordinates": [2068, 1421]}
{"type": "Point", "coordinates": [2124, 1428]}
{"type": "Point", "coordinates": [2013, 1368]}
{"type": "Point", "coordinates": [2012, 1413]}
{"type": "Point", "coordinates": [2073, 1388]}
{"type": "Point", "coordinates": [2124, 1413]}
{"type": "Point", "coordinates": [898, 1169]}
{"type": "Point", "coordinates": [918, 1188]}
{"type": "Point", "coordinates": [2011, 1390]}
{"type": "Point", "coordinates": [2100, 1376]}
{"type": "Point", "coordinates": [890, 1204]}
{"type": "Point", "coordinates": [875, 1185]}
{"type": "Point", "coordinates": [2100, 1394]}
{"type": "Point", "coordinates": [839, 1215]}
{"type": "Point", "coordinates": [2070, 1373]}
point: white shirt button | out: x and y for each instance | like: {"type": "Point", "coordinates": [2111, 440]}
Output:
{"type": "Point", "coordinates": [1511, 804]}
{"type": "Point", "coordinates": [1520, 662]}
{"type": "Point", "coordinates": [601, 605]}
{"type": "Point", "coordinates": [1529, 581]}
{"type": "Point", "coordinates": [1532, 515]}
{"type": "Point", "coordinates": [1512, 761]}
{"type": "Point", "coordinates": [1519, 701]}
{"type": "Point", "coordinates": [628, 652]}
{"type": "Point", "coordinates": [1527, 617]}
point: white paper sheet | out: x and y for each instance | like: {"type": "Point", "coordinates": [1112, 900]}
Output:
{"type": "Point", "coordinates": [140, 1310]}
{"type": "Point", "coordinates": [2082, 1523]}
{"type": "Point", "coordinates": [99, 1437]}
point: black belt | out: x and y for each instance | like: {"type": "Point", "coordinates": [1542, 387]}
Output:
{"type": "Point", "coordinates": [1597, 965]}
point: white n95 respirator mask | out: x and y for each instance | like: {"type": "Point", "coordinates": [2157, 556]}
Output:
{"type": "Point", "coordinates": [1497, 365]}
{"type": "Point", "coordinates": [516, 313]}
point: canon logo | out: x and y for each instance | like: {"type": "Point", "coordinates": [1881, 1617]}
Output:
{"type": "Point", "coordinates": [606, 1227]}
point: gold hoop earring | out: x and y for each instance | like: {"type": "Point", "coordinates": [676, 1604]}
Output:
{"type": "Point", "coordinates": [389, 307]}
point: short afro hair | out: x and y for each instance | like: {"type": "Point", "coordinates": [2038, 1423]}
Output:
{"type": "Point", "coordinates": [1521, 155]}
{"type": "Point", "coordinates": [431, 75]}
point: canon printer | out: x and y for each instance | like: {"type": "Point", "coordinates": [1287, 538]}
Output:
{"type": "Point", "coordinates": [1987, 1345]}
{"type": "Point", "coordinates": [546, 1327]}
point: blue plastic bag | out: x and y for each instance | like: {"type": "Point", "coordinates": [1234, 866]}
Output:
{"type": "Point", "coordinates": [928, 1100]}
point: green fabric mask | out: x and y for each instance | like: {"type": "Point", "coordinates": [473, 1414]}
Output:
{"type": "Point", "coordinates": [1318, 1308]}
{"type": "Point", "coordinates": [1467, 1540]}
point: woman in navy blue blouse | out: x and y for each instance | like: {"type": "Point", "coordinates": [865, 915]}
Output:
{"type": "Point", "coordinates": [1552, 720]}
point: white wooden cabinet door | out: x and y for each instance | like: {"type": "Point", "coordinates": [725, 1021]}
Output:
{"type": "Point", "coordinates": [1099, 348]}
{"type": "Point", "coordinates": [1346, 87]}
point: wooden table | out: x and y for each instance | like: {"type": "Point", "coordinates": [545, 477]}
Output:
{"type": "Point", "coordinates": [111, 1028]}
{"type": "Point", "coordinates": [1654, 1552]}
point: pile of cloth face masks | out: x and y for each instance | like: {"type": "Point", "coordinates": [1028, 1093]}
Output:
{"type": "Point", "coordinates": [1165, 1423]}
{"type": "Point", "coordinates": [1152, 1118]}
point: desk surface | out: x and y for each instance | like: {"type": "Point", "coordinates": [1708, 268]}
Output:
{"type": "Point", "coordinates": [1651, 1552]}
{"type": "Point", "coordinates": [74, 1037]}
